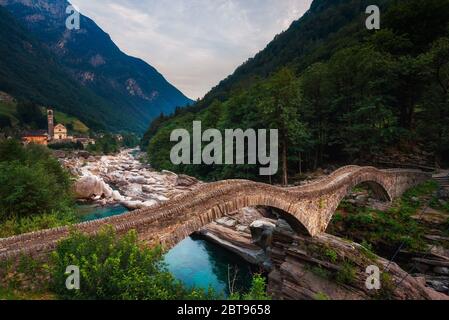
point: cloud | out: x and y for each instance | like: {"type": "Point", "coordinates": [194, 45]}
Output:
{"type": "Point", "coordinates": [193, 43]}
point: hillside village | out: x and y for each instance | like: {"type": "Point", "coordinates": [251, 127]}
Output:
{"type": "Point", "coordinates": [55, 134]}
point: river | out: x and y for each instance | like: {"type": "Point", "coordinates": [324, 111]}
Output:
{"type": "Point", "coordinates": [194, 261]}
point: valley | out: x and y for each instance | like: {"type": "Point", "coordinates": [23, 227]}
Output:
{"type": "Point", "coordinates": [112, 178]}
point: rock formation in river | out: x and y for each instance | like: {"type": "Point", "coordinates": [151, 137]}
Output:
{"type": "Point", "coordinates": [123, 179]}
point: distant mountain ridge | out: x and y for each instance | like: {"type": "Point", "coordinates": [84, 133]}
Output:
{"type": "Point", "coordinates": [130, 91]}
{"type": "Point", "coordinates": [327, 26]}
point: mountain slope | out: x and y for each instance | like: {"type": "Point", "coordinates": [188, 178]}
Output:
{"type": "Point", "coordinates": [29, 71]}
{"type": "Point", "coordinates": [131, 87]}
{"type": "Point", "coordinates": [325, 28]}
{"type": "Point", "coordinates": [338, 93]}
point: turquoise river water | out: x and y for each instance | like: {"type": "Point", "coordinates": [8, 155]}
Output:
{"type": "Point", "coordinates": [194, 261]}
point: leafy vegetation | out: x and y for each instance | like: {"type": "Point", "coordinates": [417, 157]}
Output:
{"type": "Point", "coordinates": [347, 274]}
{"type": "Point", "coordinates": [111, 267]}
{"type": "Point", "coordinates": [106, 144]}
{"type": "Point", "coordinates": [352, 95]}
{"type": "Point", "coordinates": [380, 230]}
{"type": "Point", "coordinates": [257, 292]}
{"type": "Point", "coordinates": [115, 268]}
{"type": "Point", "coordinates": [19, 225]}
{"type": "Point", "coordinates": [320, 296]}
{"type": "Point", "coordinates": [35, 192]}
{"type": "Point", "coordinates": [72, 123]}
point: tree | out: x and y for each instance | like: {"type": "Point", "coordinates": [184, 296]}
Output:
{"type": "Point", "coordinates": [280, 105]}
{"type": "Point", "coordinates": [315, 89]}
{"type": "Point", "coordinates": [436, 98]}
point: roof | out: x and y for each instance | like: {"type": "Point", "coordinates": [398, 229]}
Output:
{"type": "Point", "coordinates": [35, 133]}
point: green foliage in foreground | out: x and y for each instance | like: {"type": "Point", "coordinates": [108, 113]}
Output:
{"type": "Point", "coordinates": [113, 268]}
{"type": "Point", "coordinates": [32, 182]}
{"type": "Point", "coordinates": [116, 268]}
{"type": "Point", "coordinates": [257, 292]}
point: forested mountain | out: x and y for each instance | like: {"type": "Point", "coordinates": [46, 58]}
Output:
{"type": "Point", "coordinates": [336, 91]}
{"type": "Point", "coordinates": [29, 71]}
{"type": "Point", "coordinates": [81, 72]}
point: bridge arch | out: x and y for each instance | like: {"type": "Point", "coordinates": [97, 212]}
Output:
{"type": "Point", "coordinates": [307, 213]}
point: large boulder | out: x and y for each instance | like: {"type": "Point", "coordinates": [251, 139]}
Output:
{"type": "Point", "coordinates": [90, 187]}
{"type": "Point", "coordinates": [261, 231]}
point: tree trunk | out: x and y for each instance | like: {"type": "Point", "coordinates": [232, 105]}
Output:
{"type": "Point", "coordinates": [284, 164]}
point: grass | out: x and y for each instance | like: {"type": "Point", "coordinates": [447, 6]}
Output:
{"type": "Point", "coordinates": [12, 294]}
{"type": "Point", "coordinates": [347, 274]}
{"type": "Point", "coordinates": [320, 296]}
{"type": "Point", "coordinates": [320, 272]}
{"type": "Point", "coordinates": [66, 120]}
{"type": "Point", "coordinates": [367, 250]}
{"type": "Point", "coordinates": [332, 255]}
{"type": "Point", "coordinates": [387, 289]}
{"type": "Point", "coordinates": [9, 109]}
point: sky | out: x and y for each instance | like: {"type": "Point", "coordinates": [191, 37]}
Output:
{"type": "Point", "coordinates": [194, 43]}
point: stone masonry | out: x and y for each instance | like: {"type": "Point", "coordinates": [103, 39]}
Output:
{"type": "Point", "coordinates": [308, 208]}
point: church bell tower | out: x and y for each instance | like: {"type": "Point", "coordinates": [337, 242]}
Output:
{"type": "Point", "coordinates": [51, 123]}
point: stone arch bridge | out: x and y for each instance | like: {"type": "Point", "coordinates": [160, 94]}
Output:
{"type": "Point", "coordinates": [308, 208]}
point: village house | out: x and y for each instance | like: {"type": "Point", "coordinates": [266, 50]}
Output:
{"type": "Point", "coordinates": [55, 134]}
{"type": "Point", "coordinates": [85, 141]}
{"type": "Point", "coordinates": [36, 137]}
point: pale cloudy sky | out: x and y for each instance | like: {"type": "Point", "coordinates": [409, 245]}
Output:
{"type": "Point", "coordinates": [193, 43]}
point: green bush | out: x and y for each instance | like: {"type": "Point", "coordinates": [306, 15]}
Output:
{"type": "Point", "coordinates": [32, 182]}
{"type": "Point", "coordinates": [116, 268]}
{"type": "Point", "coordinates": [257, 292]}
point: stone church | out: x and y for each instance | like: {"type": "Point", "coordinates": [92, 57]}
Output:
{"type": "Point", "coordinates": [58, 132]}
